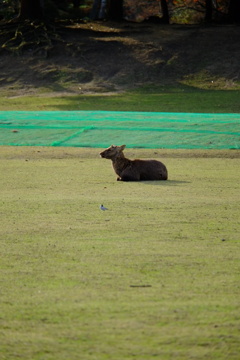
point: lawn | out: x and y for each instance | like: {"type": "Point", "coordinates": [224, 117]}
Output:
{"type": "Point", "coordinates": [154, 277]}
{"type": "Point", "coordinates": [147, 98]}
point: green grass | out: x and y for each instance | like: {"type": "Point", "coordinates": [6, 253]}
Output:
{"type": "Point", "coordinates": [147, 98]}
{"type": "Point", "coordinates": [155, 276]}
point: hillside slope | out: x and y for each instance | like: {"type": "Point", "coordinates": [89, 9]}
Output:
{"type": "Point", "coordinates": [108, 57]}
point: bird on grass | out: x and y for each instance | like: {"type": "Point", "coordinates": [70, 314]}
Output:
{"type": "Point", "coordinates": [103, 208]}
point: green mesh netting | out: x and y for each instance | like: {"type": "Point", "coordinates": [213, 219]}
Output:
{"type": "Point", "coordinates": [136, 129]}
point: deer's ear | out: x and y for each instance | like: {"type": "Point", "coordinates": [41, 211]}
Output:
{"type": "Point", "coordinates": [122, 147]}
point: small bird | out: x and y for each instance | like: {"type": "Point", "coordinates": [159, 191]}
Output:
{"type": "Point", "coordinates": [103, 208]}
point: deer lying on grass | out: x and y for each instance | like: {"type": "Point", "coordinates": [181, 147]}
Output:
{"type": "Point", "coordinates": [134, 170]}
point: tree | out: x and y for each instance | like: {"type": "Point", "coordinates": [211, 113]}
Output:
{"type": "Point", "coordinates": [234, 10]}
{"type": "Point", "coordinates": [111, 9]}
{"type": "Point", "coordinates": [31, 10]}
{"type": "Point", "coordinates": [209, 11]}
{"type": "Point", "coordinates": [165, 12]}
{"type": "Point", "coordinates": [116, 9]}
{"type": "Point", "coordinates": [213, 10]}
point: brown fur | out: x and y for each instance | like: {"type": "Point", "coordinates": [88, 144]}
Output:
{"type": "Point", "coordinates": [134, 170]}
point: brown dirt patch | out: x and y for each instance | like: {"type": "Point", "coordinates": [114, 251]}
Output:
{"type": "Point", "coordinates": [32, 153]}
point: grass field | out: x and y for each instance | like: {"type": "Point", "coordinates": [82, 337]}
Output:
{"type": "Point", "coordinates": [148, 98]}
{"type": "Point", "coordinates": [154, 277]}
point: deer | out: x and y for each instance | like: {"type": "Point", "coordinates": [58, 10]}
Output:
{"type": "Point", "coordinates": [134, 170]}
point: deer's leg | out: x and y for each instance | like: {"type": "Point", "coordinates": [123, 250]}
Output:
{"type": "Point", "coordinates": [129, 176]}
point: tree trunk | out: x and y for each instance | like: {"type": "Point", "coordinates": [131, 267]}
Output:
{"type": "Point", "coordinates": [94, 14]}
{"type": "Point", "coordinates": [31, 10]}
{"type": "Point", "coordinates": [234, 10]}
{"type": "Point", "coordinates": [209, 10]}
{"type": "Point", "coordinates": [116, 9]}
{"type": "Point", "coordinates": [76, 3]}
{"type": "Point", "coordinates": [165, 13]}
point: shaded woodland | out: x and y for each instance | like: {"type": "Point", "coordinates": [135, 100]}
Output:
{"type": "Point", "coordinates": [162, 11]}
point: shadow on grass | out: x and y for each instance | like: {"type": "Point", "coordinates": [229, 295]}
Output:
{"type": "Point", "coordinates": [166, 183]}
{"type": "Point", "coordinates": [169, 99]}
